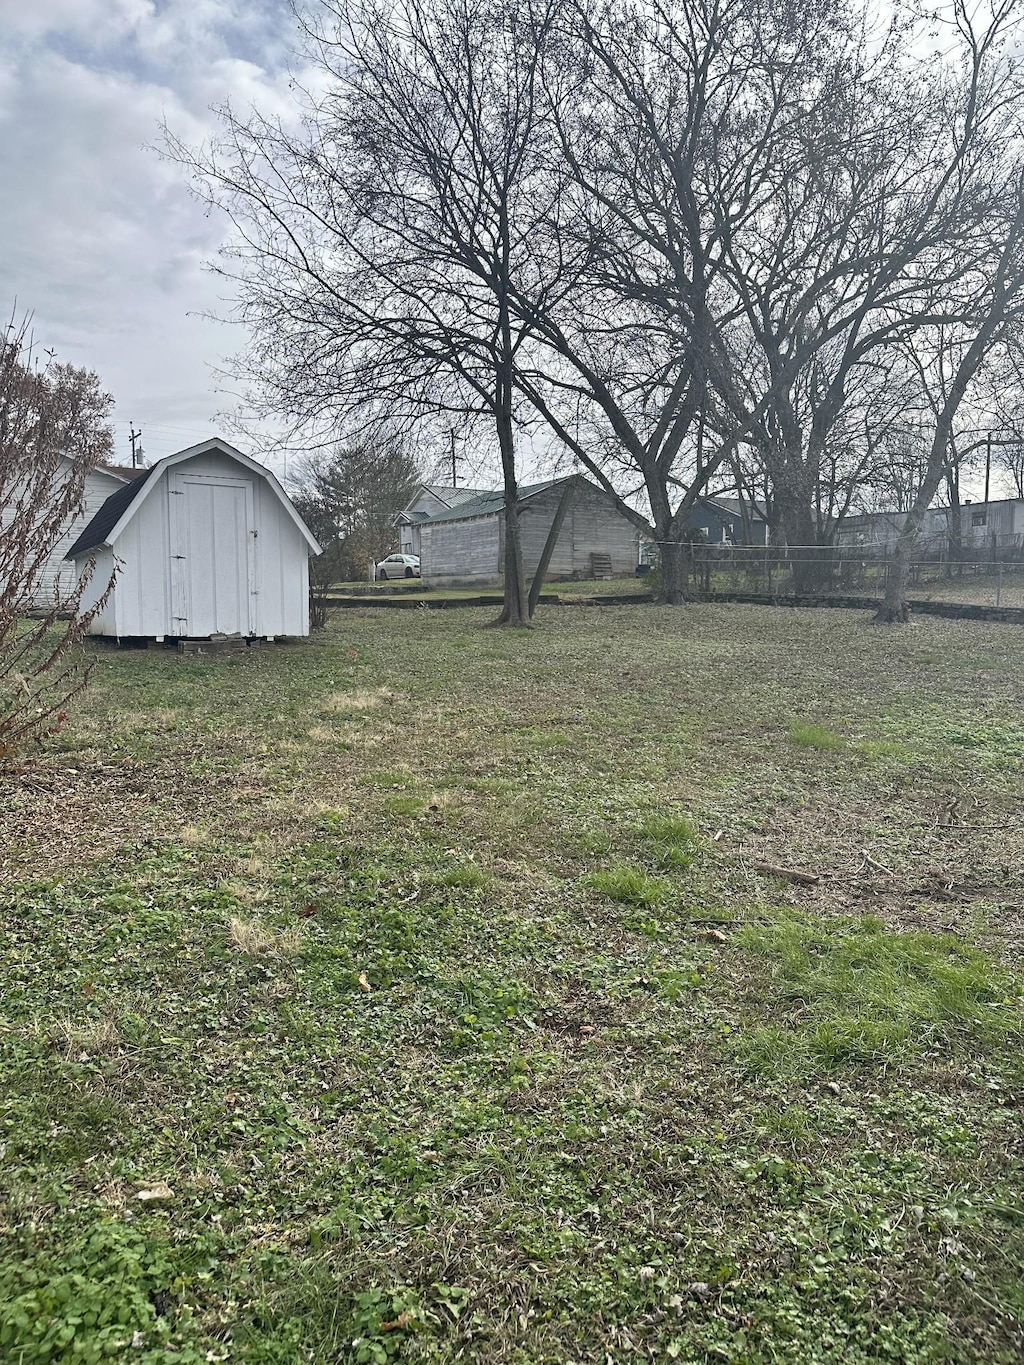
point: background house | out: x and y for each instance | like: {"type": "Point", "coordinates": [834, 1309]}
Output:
{"type": "Point", "coordinates": [987, 530]}
{"type": "Point", "coordinates": [463, 542]}
{"type": "Point", "coordinates": [205, 543]}
{"type": "Point", "coordinates": [99, 484]}
{"type": "Point", "coordinates": [729, 521]}
{"type": "Point", "coordinates": [992, 527]}
{"type": "Point", "coordinates": [428, 501]}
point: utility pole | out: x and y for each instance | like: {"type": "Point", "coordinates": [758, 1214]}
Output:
{"type": "Point", "coordinates": [137, 451]}
{"type": "Point", "coordinates": [988, 464]}
{"type": "Point", "coordinates": [454, 475]}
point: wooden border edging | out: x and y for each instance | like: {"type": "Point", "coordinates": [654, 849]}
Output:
{"type": "Point", "coordinates": [957, 611]}
{"type": "Point", "coordinates": [960, 611]}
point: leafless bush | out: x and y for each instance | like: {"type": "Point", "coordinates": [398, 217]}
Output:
{"type": "Point", "coordinates": [54, 429]}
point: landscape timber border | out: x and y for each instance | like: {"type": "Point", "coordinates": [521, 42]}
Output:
{"type": "Point", "coordinates": [962, 611]}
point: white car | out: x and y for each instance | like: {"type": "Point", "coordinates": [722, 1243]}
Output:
{"type": "Point", "coordinates": [398, 566]}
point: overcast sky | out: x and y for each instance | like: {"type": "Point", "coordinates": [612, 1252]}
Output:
{"type": "Point", "coordinates": [99, 238]}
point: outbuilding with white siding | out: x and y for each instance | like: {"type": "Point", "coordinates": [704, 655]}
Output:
{"type": "Point", "coordinates": [57, 578]}
{"type": "Point", "coordinates": [206, 543]}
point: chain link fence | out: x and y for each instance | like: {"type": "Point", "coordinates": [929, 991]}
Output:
{"type": "Point", "coordinates": [798, 571]}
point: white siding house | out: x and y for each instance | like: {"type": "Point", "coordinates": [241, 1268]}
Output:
{"type": "Point", "coordinates": [99, 484]}
{"type": "Point", "coordinates": [464, 543]}
{"type": "Point", "coordinates": [988, 530]}
{"type": "Point", "coordinates": [206, 543]}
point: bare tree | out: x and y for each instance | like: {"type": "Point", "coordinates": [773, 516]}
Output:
{"type": "Point", "coordinates": [994, 306]}
{"type": "Point", "coordinates": [633, 376]}
{"type": "Point", "coordinates": [53, 429]}
{"type": "Point", "coordinates": [773, 196]}
{"type": "Point", "coordinates": [679, 237]}
{"type": "Point", "coordinates": [378, 247]}
{"type": "Point", "coordinates": [1004, 402]}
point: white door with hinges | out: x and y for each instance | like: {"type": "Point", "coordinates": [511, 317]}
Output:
{"type": "Point", "coordinates": [213, 555]}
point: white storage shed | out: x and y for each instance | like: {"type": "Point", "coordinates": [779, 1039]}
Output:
{"type": "Point", "coordinates": [206, 543]}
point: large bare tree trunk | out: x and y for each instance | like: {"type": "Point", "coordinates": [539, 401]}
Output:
{"type": "Point", "coordinates": [673, 572]}
{"type": "Point", "coordinates": [515, 610]}
{"type": "Point", "coordinates": [800, 533]}
{"type": "Point", "coordinates": [894, 609]}
{"type": "Point", "coordinates": [955, 537]}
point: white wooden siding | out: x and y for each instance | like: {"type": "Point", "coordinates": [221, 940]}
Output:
{"type": "Point", "coordinates": [104, 624]}
{"type": "Point", "coordinates": [282, 568]}
{"type": "Point", "coordinates": [98, 487]}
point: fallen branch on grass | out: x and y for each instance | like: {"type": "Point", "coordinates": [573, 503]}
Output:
{"type": "Point", "coordinates": [873, 862]}
{"type": "Point", "coordinates": [789, 874]}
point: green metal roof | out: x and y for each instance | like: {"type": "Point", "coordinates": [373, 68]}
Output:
{"type": "Point", "coordinates": [491, 503]}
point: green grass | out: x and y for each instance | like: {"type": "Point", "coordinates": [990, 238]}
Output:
{"type": "Point", "coordinates": [811, 736]}
{"type": "Point", "coordinates": [629, 886]}
{"type": "Point", "coordinates": [867, 994]}
{"type": "Point", "coordinates": [672, 839]}
{"type": "Point", "coordinates": [405, 968]}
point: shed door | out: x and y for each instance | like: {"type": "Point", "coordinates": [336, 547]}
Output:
{"type": "Point", "coordinates": [213, 535]}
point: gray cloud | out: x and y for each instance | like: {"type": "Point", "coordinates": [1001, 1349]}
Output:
{"type": "Point", "coordinates": [99, 238]}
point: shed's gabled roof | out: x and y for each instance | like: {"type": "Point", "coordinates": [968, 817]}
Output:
{"type": "Point", "coordinates": [120, 507]}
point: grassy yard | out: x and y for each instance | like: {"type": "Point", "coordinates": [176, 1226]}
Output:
{"type": "Point", "coordinates": [412, 995]}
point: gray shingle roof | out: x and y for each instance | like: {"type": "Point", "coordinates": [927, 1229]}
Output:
{"type": "Point", "coordinates": [110, 513]}
{"type": "Point", "coordinates": [735, 507]}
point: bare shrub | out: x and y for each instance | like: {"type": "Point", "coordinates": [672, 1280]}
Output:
{"type": "Point", "coordinates": [54, 429]}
